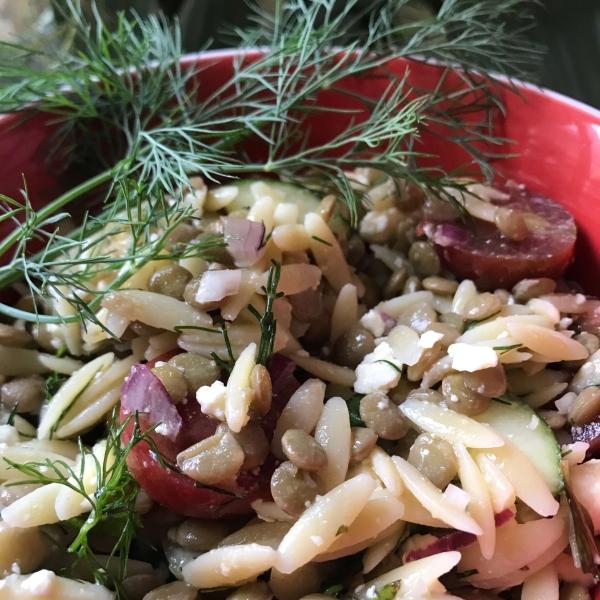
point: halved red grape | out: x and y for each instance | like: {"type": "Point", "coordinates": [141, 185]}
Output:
{"type": "Point", "coordinates": [492, 260]}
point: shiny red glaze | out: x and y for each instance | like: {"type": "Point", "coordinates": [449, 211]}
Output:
{"type": "Point", "coordinates": [557, 141]}
{"type": "Point", "coordinates": [179, 492]}
{"type": "Point", "coordinates": [493, 261]}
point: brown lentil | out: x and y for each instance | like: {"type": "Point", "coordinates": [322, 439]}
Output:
{"type": "Point", "coordinates": [215, 459]}
{"type": "Point", "coordinates": [372, 295]}
{"type": "Point", "coordinates": [293, 490]}
{"type": "Point", "coordinates": [586, 407]}
{"type": "Point", "coordinates": [511, 223]}
{"type": "Point", "coordinates": [257, 590]}
{"type": "Point", "coordinates": [170, 281]}
{"type": "Point", "coordinates": [574, 591]}
{"type": "Point", "coordinates": [26, 393]}
{"type": "Point", "coordinates": [303, 581]}
{"type": "Point", "coordinates": [177, 590]}
{"type": "Point", "coordinates": [174, 381]}
{"type": "Point", "coordinates": [379, 272]}
{"type": "Point", "coordinates": [395, 283]}
{"type": "Point", "coordinates": [356, 250]}
{"type": "Point", "coordinates": [460, 398]}
{"type": "Point", "coordinates": [438, 370]}
{"type": "Point", "coordinates": [589, 340]}
{"type": "Point", "coordinates": [307, 306]}
{"type": "Point", "coordinates": [364, 440]}
{"type": "Point", "coordinates": [253, 442]}
{"type": "Point", "coordinates": [197, 370]}
{"type": "Point", "coordinates": [482, 306]}
{"type": "Point", "coordinates": [303, 451]}
{"type": "Point", "coordinates": [383, 416]}
{"type": "Point", "coordinates": [13, 337]}
{"type": "Point", "coordinates": [405, 236]}
{"type": "Point", "coordinates": [402, 448]}
{"type": "Point", "coordinates": [399, 393]}
{"type": "Point", "coordinates": [198, 535]}
{"type": "Point", "coordinates": [260, 381]}
{"type": "Point", "coordinates": [418, 317]}
{"type": "Point", "coordinates": [352, 346]}
{"type": "Point", "coordinates": [454, 320]}
{"type": "Point", "coordinates": [440, 285]}
{"type": "Point", "coordinates": [26, 303]}
{"type": "Point", "coordinates": [44, 337]}
{"type": "Point", "coordinates": [527, 289]}
{"type": "Point", "coordinates": [424, 259]}
{"type": "Point", "coordinates": [428, 358]}
{"type": "Point", "coordinates": [489, 382]}
{"type": "Point", "coordinates": [413, 284]}
{"type": "Point", "coordinates": [318, 332]}
{"type": "Point", "coordinates": [450, 333]}
{"type": "Point", "coordinates": [435, 458]}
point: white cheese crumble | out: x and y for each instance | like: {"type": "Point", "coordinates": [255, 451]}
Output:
{"type": "Point", "coordinates": [457, 496]}
{"type": "Point", "coordinates": [565, 322]}
{"type": "Point", "coordinates": [212, 400]}
{"type": "Point", "coordinates": [371, 592]}
{"type": "Point", "coordinates": [374, 375]}
{"type": "Point", "coordinates": [373, 322]}
{"type": "Point", "coordinates": [162, 429]}
{"type": "Point", "coordinates": [466, 357]}
{"type": "Point", "coordinates": [563, 404]}
{"type": "Point", "coordinates": [429, 339]}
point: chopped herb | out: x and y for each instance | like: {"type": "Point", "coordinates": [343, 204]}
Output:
{"type": "Point", "coordinates": [563, 454]}
{"type": "Point", "coordinates": [265, 240]}
{"type": "Point", "coordinates": [223, 364]}
{"type": "Point", "coordinates": [334, 590]}
{"type": "Point", "coordinates": [318, 239]}
{"type": "Point", "coordinates": [61, 352]}
{"type": "Point", "coordinates": [342, 529]}
{"type": "Point", "coordinates": [467, 573]}
{"type": "Point", "coordinates": [218, 490]}
{"type": "Point", "coordinates": [505, 349]}
{"type": "Point", "coordinates": [391, 364]}
{"type": "Point", "coordinates": [181, 328]}
{"type": "Point", "coordinates": [53, 384]}
{"type": "Point", "coordinates": [354, 410]}
{"type": "Point", "coordinates": [473, 323]}
{"type": "Point", "coordinates": [268, 323]}
{"type": "Point", "coordinates": [500, 401]}
{"type": "Point", "coordinates": [11, 416]}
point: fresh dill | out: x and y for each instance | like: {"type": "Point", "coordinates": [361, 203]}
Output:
{"type": "Point", "coordinates": [354, 410]}
{"type": "Point", "coordinates": [113, 501]}
{"type": "Point", "coordinates": [125, 103]}
{"type": "Point", "coordinates": [391, 364]}
{"type": "Point", "coordinates": [505, 349]}
{"type": "Point", "coordinates": [469, 324]}
{"type": "Point", "coordinates": [267, 321]}
{"type": "Point", "coordinates": [318, 239]}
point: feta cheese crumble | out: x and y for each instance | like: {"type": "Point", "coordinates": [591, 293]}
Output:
{"type": "Point", "coordinates": [375, 375]}
{"type": "Point", "coordinates": [212, 400]}
{"type": "Point", "coordinates": [466, 357]}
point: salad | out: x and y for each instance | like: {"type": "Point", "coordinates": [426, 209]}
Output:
{"type": "Point", "coordinates": [310, 375]}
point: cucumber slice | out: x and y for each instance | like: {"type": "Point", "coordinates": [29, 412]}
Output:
{"type": "Point", "coordinates": [304, 199]}
{"type": "Point", "coordinates": [511, 417]}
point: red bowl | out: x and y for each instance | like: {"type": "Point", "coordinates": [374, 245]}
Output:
{"type": "Point", "coordinates": [557, 140]}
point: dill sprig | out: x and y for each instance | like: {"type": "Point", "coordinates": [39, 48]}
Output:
{"type": "Point", "coordinates": [113, 502]}
{"type": "Point", "coordinates": [125, 104]}
{"type": "Point", "coordinates": [267, 321]}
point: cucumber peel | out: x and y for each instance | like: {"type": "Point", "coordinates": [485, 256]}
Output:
{"type": "Point", "coordinates": [513, 418]}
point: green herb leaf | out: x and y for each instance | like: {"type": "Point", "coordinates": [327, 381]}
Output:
{"type": "Point", "coordinates": [467, 573]}
{"type": "Point", "coordinates": [505, 349]}
{"type": "Point", "coordinates": [334, 590]}
{"type": "Point", "coordinates": [391, 364]}
{"type": "Point", "coordinates": [318, 239]}
{"type": "Point", "coordinates": [388, 592]}
{"type": "Point", "coordinates": [473, 323]}
{"type": "Point", "coordinates": [354, 410]}
{"type": "Point", "coordinates": [342, 529]}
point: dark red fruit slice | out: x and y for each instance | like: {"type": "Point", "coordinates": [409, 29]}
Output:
{"type": "Point", "coordinates": [494, 261]}
{"type": "Point", "coordinates": [179, 492]}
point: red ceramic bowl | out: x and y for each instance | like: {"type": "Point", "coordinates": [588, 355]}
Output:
{"type": "Point", "coordinates": [557, 140]}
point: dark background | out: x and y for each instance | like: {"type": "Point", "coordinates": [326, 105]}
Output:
{"type": "Point", "coordinates": [570, 29]}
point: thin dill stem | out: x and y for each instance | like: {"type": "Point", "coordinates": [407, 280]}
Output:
{"type": "Point", "coordinates": [49, 209]}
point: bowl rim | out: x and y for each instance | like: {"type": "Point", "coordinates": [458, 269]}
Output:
{"type": "Point", "coordinates": [530, 87]}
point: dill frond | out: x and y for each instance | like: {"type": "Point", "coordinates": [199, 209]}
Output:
{"type": "Point", "coordinates": [113, 502]}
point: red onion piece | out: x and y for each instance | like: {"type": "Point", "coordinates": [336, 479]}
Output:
{"type": "Point", "coordinates": [455, 540]}
{"type": "Point", "coordinates": [388, 321]}
{"type": "Point", "coordinates": [449, 235]}
{"type": "Point", "coordinates": [144, 392]}
{"type": "Point", "coordinates": [243, 238]}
